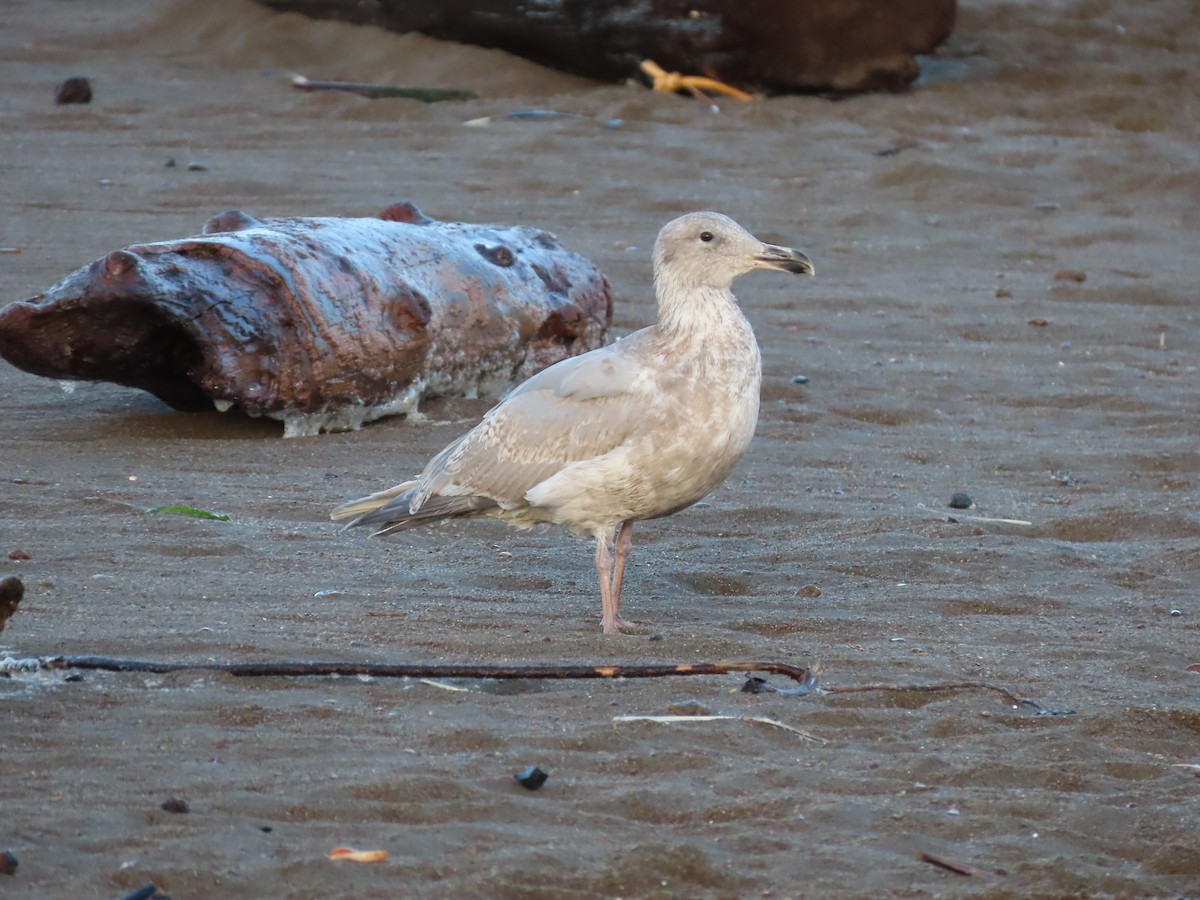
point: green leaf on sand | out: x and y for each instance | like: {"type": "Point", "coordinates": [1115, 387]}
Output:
{"type": "Point", "coordinates": [189, 511]}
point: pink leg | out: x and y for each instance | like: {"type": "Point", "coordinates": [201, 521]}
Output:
{"type": "Point", "coordinates": [624, 545]}
{"type": "Point", "coordinates": [604, 571]}
{"type": "Point", "coordinates": [611, 573]}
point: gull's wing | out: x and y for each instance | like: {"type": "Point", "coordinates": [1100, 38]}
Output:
{"type": "Point", "coordinates": [577, 409]}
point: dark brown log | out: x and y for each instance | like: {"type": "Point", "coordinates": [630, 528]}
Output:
{"type": "Point", "coordinates": [12, 590]}
{"type": "Point", "coordinates": [782, 46]}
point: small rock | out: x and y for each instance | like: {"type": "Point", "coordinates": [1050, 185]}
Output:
{"type": "Point", "coordinates": [146, 892]}
{"type": "Point", "coordinates": [1003, 293]}
{"type": "Point", "coordinates": [197, 167]}
{"type": "Point", "coordinates": [531, 778]}
{"type": "Point", "coordinates": [17, 555]}
{"type": "Point", "coordinates": [756, 685]}
{"type": "Point", "coordinates": [170, 163]}
{"type": "Point", "coordinates": [8, 863]}
{"type": "Point", "coordinates": [1070, 275]}
{"type": "Point", "coordinates": [1177, 612]}
{"type": "Point", "coordinates": [799, 379]}
{"type": "Point", "coordinates": [74, 90]}
{"type": "Point", "coordinates": [1047, 206]}
{"type": "Point", "coordinates": [175, 805]}
{"type": "Point", "coordinates": [959, 500]}
{"type": "Point", "coordinates": [809, 590]}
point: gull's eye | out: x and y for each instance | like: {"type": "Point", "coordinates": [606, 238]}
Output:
{"type": "Point", "coordinates": [706, 236]}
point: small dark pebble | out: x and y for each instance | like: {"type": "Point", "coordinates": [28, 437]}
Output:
{"type": "Point", "coordinates": [959, 500]}
{"type": "Point", "coordinates": [8, 863]}
{"type": "Point", "coordinates": [531, 777]}
{"type": "Point", "coordinates": [175, 805]}
{"type": "Point", "coordinates": [18, 555]}
{"type": "Point", "coordinates": [799, 379]}
{"type": "Point", "coordinates": [197, 167]}
{"type": "Point", "coordinates": [146, 892]}
{"type": "Point", "coordinates": [170, 163]}
{"type": "Point", "coordinates": [73, 678]}
{"type": "Point", "coordinates": [756, 685]}
{"type": "Point", "coordinates": [265, 829]}
{"type": "Point", "coordinates": [74, 90]}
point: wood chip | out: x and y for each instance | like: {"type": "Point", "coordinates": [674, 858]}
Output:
{"type": "Point", "coordinates": [349, 854]}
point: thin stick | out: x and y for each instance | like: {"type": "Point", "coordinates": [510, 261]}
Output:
{"type": "Point", "coordinates": [966, 518]}
{"type": "Point", "coordinates": [762, 720]}
{"type": "Point", "coordinates": [430, 670]}
{"type": "Point", "coordinates": [367, 89]}
{"type": "Point", "coordinates": [956, 868]}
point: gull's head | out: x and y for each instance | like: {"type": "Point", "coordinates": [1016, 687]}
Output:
{"type": "Point", "coordinates": [707, 249]}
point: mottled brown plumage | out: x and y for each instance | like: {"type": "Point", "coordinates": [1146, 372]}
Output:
{"type": "Point", "coordinates": [636, 430]}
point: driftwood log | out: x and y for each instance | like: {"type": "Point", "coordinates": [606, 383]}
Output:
{"type": "Point", "coordinates": [779, 46]}
{"type": "Point", "coordinates": [322, 323]}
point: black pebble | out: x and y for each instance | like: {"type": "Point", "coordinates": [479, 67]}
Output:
{"type": "Point", "coordinates": [146, 892]}
{"type": "Point", "coordinates": [8, 863]}
{"type": "Point", "coordinates": [74, 90]}
{"type": "Point", "coordinates": [961, 501]}
{"type": "Point", "coordinates": [756, 685]}
{"type": "Point", "coordinates": [531, 777]}
{"type": "Point", "coordinates": [175, 805]}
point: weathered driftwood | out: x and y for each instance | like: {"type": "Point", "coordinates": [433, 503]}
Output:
{"type": "Point", "coordinates": [781, 46]}
{"type": "Point", "coordinates": [323, 323]}
{"type": "Point", "coordinates": [12, 590]}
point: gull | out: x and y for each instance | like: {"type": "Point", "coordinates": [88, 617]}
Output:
{"type": "Point", "coordinates": [639, 429]}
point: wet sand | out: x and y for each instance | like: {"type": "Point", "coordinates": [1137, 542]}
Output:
{"type": "Point", "coordinates": [1005, 305]}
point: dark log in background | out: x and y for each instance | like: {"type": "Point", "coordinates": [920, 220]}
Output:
{"type": "Point", "coordinates": [782, 47]}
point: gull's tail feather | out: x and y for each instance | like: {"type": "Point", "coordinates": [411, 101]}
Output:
{"type": "Point", "coordinates": [357, 509]}
{"type": "Point", "coordinates": [391, 509]}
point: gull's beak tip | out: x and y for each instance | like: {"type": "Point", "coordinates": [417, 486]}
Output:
{"type": "Point", "coordinates": [785, 259]}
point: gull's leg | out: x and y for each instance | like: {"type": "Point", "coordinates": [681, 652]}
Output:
{"type": "Point", "coordinates": [604, 571]}
{"type": "Point", "coordinates": [624, 545]}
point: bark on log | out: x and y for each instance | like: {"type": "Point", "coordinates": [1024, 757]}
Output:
{"type": "Point", "coordinates": [787, 47]}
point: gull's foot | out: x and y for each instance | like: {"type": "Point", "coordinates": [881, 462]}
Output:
{"type": "Point", "coordinates": [624, 626]}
